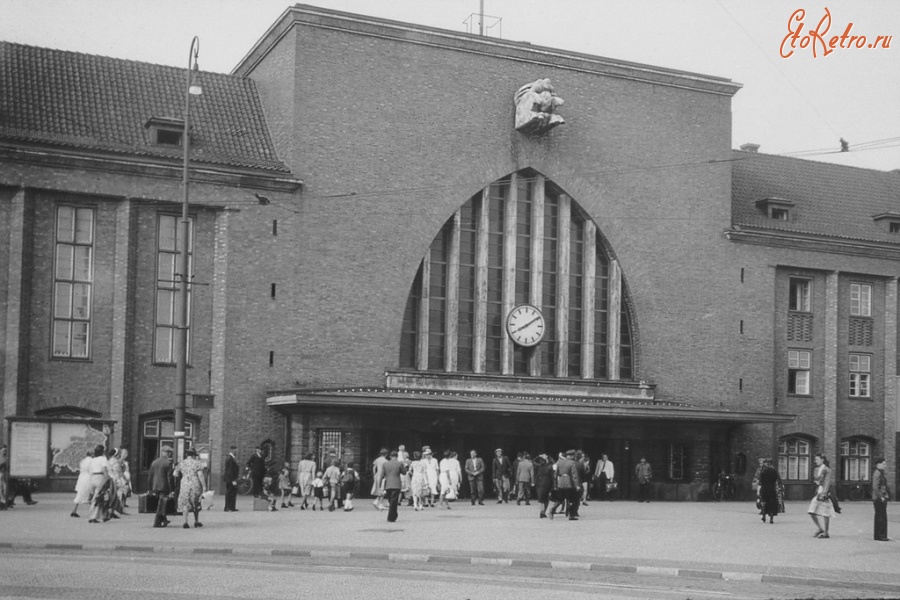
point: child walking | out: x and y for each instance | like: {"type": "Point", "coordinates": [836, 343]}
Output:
{"type": "Point", "coordinates": [318, 491]}
{"type": "Point", "coordinates": [284, 484]}
{"type": "Point", "coordinates": [349, 479]}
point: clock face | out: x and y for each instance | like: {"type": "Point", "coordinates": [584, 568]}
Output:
{"type": "Point", "coordinates": [525, 325]}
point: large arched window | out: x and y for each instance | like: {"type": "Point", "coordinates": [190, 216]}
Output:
{"type": "Point", "coordinates": [521, 240]}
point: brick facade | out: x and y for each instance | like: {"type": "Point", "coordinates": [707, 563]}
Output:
{"type": "Point", "coordinates": [392, 128]}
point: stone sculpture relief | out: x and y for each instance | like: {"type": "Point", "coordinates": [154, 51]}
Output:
{"type": "Point", "coordinates": [535, 107]}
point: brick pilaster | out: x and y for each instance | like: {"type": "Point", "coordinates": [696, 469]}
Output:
{"type": "Point", "coordinates": [891, 380]}
{"type": "Point", "coordinates": [118, 359]}
{"type": "Point", "coordinates": [218, 354]}
{"type": "Point", "coordinates": [830, 379]}
{"type": "Point", "coordinates": [13, 314]}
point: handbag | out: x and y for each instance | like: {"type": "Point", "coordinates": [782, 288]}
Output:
{"type": "Point", "coordinates": [612, 486]}
{"type": "Point", "coordinates": [451, 493]}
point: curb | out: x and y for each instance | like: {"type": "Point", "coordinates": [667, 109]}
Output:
{"type": "Point", "coordinates": [468, 561]}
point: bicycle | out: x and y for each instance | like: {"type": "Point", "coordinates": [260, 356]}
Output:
{"type": "Point", "coordinates": [859, 492]}
{"type": "Point", "coordinates": [244, 484]}
{"type": "Point", "coordinates": [724, 487]}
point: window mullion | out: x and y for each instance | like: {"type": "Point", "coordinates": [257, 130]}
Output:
{"type": "Point", "coordinates": [537, 263]}
{"type": "Point", "coordinates": [507, 351]}
{"type": "Point", "coordinates": [424, 310]}
{"type": "Point", "coordinates": [588, 301]}
{"type": "Point", "coordinates": [562, 286]}
{"type": "Point", "coordinates": [614, 319]}
{"type": "Point", "coordinates": [479, 346]}
{"type": "Point", "coordinates": [452, 312]}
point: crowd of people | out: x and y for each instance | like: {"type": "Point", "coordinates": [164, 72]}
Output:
{"type": "Point", "coordinates": [560, 485]}
{"type": "Point", "coordinates": [104, 483]}
{"type": "Point", "coordinates": [421, 481]}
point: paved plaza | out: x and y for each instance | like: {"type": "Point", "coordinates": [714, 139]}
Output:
{"type": "Point", "coordinates": [678, 539]}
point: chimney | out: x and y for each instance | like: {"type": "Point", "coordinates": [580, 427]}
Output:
{"type": "Point", "coordinates": [750, 147]}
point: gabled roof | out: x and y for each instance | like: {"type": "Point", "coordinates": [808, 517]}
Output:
{"type": "Point", "coordinates": [98, 104]}
{"type": "Point", "coordinates": [828, 200]}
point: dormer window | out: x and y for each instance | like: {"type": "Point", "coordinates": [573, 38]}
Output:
{"type": "Point", "coordinates": [165, 131]}
{"type": "Point", "coordinates": [778, 209]}
{"type": "Point", "coordinates": [892, 220]}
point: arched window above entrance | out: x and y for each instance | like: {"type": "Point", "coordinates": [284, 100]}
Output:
{"type": "Point", "coordinates": [520, 242]}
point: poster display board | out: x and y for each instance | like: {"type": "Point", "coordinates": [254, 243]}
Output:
{"type": "Point", "coordinates": [69, 443]}
{"type": "Point", "coordinates": [29, 446]}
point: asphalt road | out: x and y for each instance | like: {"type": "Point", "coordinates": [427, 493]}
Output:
{"type": "Point", "coordinates": [139, 576]}
{"type": "Point", "coordinates": [617, 550]}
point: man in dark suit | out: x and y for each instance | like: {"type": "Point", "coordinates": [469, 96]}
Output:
{"type": "Point", "coordinates": [475, 473]}
{"type": "Point", "coordinates": [161, 484]}
{"type": "Point", "coordinates": [230, 475]}
{"type": "Point", "coordinates": [501, 470]}
{"type": "Point", "coordinates": [393, 483]}
{"type": "Point", "coordinates": [257, 466]}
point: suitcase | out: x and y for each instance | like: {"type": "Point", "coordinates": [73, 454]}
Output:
{"type": "Point", "coordinates": [148, 503]}
{"type": "Point", "coordinates": [261, 503]}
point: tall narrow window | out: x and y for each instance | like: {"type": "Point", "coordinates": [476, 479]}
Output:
{"type": "Point", "coordinates": [860, 300]}
{"type": "Point", "coordinates": [799, 290]}
{"type": "Point", "coordinates": [437, 299]}
{"type": "Point", "coordinates": [677, 462]}
{"type": "Point", "coordinates": [793, 459]}
{"type": "Point", "coordinates": [168, 298]}
{"type": "Point", "coordinates": [798, 372]}
{"type": "Point", "coordinates": [73, 279]}
{"type": "Point", "coordinates": [860, 368]}
{"type": "Point", "coordinates": [855, 456]}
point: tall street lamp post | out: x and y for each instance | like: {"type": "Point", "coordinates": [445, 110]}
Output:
{"type": "Point", "coordinates": [191, 89]}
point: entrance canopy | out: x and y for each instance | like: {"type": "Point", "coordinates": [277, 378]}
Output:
{"type": "Point", "coordinates": [629, 406]}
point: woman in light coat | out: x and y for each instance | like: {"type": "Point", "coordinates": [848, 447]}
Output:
{"type": "Point", "coordinates": [820, 505]}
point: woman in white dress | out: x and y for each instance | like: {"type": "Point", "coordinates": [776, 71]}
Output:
{"type": "Point", "coordinates": [431, 470]}
{"type": "Point", "coordinates": [306, 472]}
{"type": "Point", "coordinates": [418, 484]}
{"type": "Point", "coordinates": [99, 477]}
{"type": "Point", "coordinates": [820, 505]}
{"type": "Point", "coordinates": [83, 485]}
{"type": "Point", "coordinates": [455, 474]}
{"type": "Point", "coordinates": [444, 479]}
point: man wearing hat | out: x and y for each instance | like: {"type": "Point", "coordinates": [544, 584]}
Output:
{"type": "Point", "coordinates": [161, 484]}
{"type": "Point", "coordinates": [257, 466]}
{"type": "Point", "coordinates": [230, 475]}
{"type": "Point", "coordinates": [568, 483]}
{"type": "Point", "coordinates": [501, 471]}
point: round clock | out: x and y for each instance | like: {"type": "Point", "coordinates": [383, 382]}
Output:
{"type": "Point", "coordinates": [525, 325]}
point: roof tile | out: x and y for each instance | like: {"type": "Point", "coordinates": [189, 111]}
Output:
{"type": "Point", "coordinates": [98, 103]}
{"type": "Point", "coordinates": [829, 199]}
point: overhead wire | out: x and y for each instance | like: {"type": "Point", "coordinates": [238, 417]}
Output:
{"type": "Point", "coordinates": [478, 184]}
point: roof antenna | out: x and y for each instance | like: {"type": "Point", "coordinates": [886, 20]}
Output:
{"type": "Point", "coordinates": [483, 29]}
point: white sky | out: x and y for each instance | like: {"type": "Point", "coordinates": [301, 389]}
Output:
{"type": "Point", "coordinates": [789, 105]}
